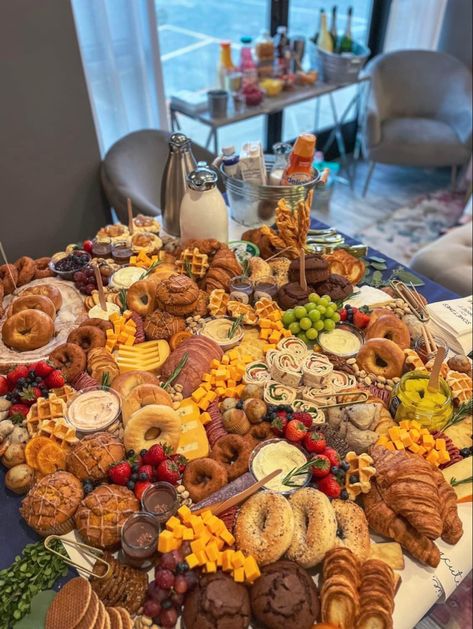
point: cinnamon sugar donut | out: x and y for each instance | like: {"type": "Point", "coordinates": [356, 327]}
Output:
{"type": "Point", "coordinates": [233, 452]}
{"type": "Point", "coordinates": [98, 323]}
{"type": "Point", "coordinates": [34, 302]}
{"type": "Point", "coordinates": [381, 357]}
{"type": "Point", "coordinates": [52, 292]}
{"type": "Point", "coordinates": [203, 477]}
{"type": "Point", "coordinates": [8, 277]}
{"type": "Point", "coordinates": [87, 337]}
{"type": "Point", "coordinates": [388, 326]}
{"type": "Point", "coordinates": [26, 268]}
{"type": "Point", "coordinates": [42, 268]}
{"type": "Point", "coordinates": [70, 359]}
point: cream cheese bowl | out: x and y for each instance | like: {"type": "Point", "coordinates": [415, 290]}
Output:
{"type": "Point", "coordinates": [344, 341]}
{"type": "Point", "coordinates": [93, 409]}
{"type": "Point", "coordinates": [126, 276]}
{"type": "Point", "coordinates": [274, 454]}
{"type": "Point", "coordinates": [217, 329]}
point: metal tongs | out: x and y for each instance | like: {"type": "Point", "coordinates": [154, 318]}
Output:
{"type": "Point", "coordinates": [87, 551]}
{"type": "Point", "coordinates": [360, 398]}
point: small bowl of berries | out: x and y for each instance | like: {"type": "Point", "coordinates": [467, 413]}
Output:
{"type": "Point", "coordinates": [65, 264]}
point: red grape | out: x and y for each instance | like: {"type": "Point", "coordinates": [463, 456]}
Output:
{"type": "Point", "coordinates": [89, 288]}
{"type": "Point", "coordinates": [168, 617]}
{"type": "Point", "coordinates": [79, 276]}
{"type": "Point", "coordinates": [180, 584]}
{"type": "Point", "coordinates": [191, 579]}
{"type": "Point", "coordinates": [167, 561]}
{"type": "Point", "coordinates": [156, 593]}
{"type": "Point", "coordinates": [151, 608]}
{"type": "Point", "coordinates": [177, 600]}
{"type": "Point", "coordinates": [164, 579]}
{"type": "Point", "coordinates": [178, 555]}
{"type": "Point", "coordinates": [186, 549]}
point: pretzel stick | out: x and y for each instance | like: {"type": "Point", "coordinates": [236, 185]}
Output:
{"type": "Point", "coordinates": [130, 215]}
{"type": "Point", "coordinates": [431, 338]}
{"type": "Point", "coordinates": [6, 262]}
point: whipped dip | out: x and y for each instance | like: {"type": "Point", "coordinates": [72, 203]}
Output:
{"type": "Point", "coordinates": [93, 410]}
{"type": "Point", "coordinates": [278, 455]}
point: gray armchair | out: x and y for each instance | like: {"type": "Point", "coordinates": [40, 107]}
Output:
{"type": "Point", "coordinates": [418, 112]}
{"type": "Point", "coordinates": [133, 168]}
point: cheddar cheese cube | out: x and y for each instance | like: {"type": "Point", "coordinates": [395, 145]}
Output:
{"type": "Point", "coordinates": [187, 534]}
{"type": "Point", "coordinates": [211, 551]}
{"type": "Point", "coordinates": [252, 572]}
{"type": "Point", "coordinates": [440, 444]}
{"type": "Point", "coordinates": [211, 566]}
{"type": "Point", "coordinates": [394, 433]}
{"type": "Point", "coordinates": [227, 536]}
{"type": "Point", "coordinates": [198, 394]}
{"type": "Point", "coordinates": [166, 542]}
{"type": "Point", "coordinates": [192, 561]}
{"type": "Point", "coordinates": [172, 523]}
{"type": "Point", "coordinates": [239, 575]}
{"type": "Point", "coordinates": [184, 513]}
{"type": "Point", "coordinates": [197, 546]}
{"type": "Point", "coordinates": [238, 559]}
{"type": "Point", "coordinates": [227, 563]}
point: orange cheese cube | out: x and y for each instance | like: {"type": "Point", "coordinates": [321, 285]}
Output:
{"type": "Point", "coordinates": [215, 364]}
{"type": "Point", "coordinates": [433, 457]}
{"type": "Point", "coordinates": [219, 560]}
{"type": "Point", "coordinates": [212, 551]}
{"type": "Point", "coordinates": [227, 557]}
{"type": "Point", "coordinates": [389, 446]}
{"type": "Point", "coordinates": [214, 524]}
{"type": "Point", "coordinates": [264, 333]}
{"type": "Point", "coordinates": [184, 513]}
{"type": "Point", "coordinates": [166, 542]}
{"type": "Point", "coordinates": [275, 337]}
{"type": "Point", "coordinates": [206, 377]}
{"type": "Point", "coordinates": [206, 515]}
{"type": "Point", "coordinates": [394, 433]}
{"type": "Point", "coordinates": [192, 561]}
{"type": "Point", "coordinates": [252, 572]}
{"type": "Point", "coordinates": [225, 359]}
{"type": "Point", "coordinates": [197, 546]}
{"type": "Point", "coordinates": [219, 543]}
{"type": "Point", "coordinates": [421, 451]}
{"type": "Point", "coordinates": [210, 566]}
{"type": "Point", "coordinates": [187, 534]}
{"type": "Point", "coordinates": [405, 423]}
{"type": "Point", "coordinates": [239, 575]}
{"type": "Point", "coordinates": [414, 448]}
{"type": "Point", "coordinates": [415, 434]}
{"type": "Point", "coordinates": [204, 403]}
{"type": "Point", "coordinates": [172, 523]}
{"type": "Point", "coordinates": [205, 418]}
{"type": "Point", "coordinates": [227, 536]}
{"type": "Point", "coordinates": [440, 444]}
{"type": "Point", "coordinates": [201, 557]}
{"type": "Point", "coordinates": [130, 341]}
{"type": "Point", "coordinates": [444, 457]}
{"type": "Point", "coordinates": [398, 444]}
{"type": "Point", "coordinates": [265, 323]}
{"type": "Point", "coordinates": [238, 559]}
{"type": "Point", "coordinates": [198, 394]}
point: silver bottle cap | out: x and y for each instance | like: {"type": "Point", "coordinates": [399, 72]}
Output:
{"type": "Point", "coordinates": [179, 141]}
{"type": "Point", "coordinates": [202, 178]}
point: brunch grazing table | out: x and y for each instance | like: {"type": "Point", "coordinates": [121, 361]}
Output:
{"type": "Point", "coordinates": [152, 387]}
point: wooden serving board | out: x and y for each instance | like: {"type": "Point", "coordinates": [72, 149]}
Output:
{"type": "Point", "coordinates": [71, 311]}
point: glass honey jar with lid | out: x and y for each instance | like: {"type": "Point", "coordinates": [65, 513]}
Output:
{"type": "Point", "coordinates": [412, 400]}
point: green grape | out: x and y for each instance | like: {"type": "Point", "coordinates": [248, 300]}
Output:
{"type": "Point", "coordinates": [329, 325]}
{"type": "Point", "coordinates": [329, 312]}
{"type": "Point", "coordinates": [314, 315]}
{"type": "Point", "coordinates": [312, 334]}
{"type": "Point", "coordinates": [294, 327]}
{"type": "Point", "coordinates": [288, 317]}
{"type": "Point", "coordinates": [333, 305]}
{"type": "Point", "coordinates": [314, 298]}
{"type": "Point", "coordinates": [321, 309]}
{"type": "Point", "coordinates": [325, 300]}
{"type": "Point", "coordinates": [309, 307]}
{"type": "Point", "coordinates": [300, 312]}
{"type": "Point", "coordinates": [305, 323]}
{"type": "Point", "coordinates": [303, 337]}
{"type": "Point", "coordinates": [336, 317]}
{"type": "Point", "coordinates": [319, 325]}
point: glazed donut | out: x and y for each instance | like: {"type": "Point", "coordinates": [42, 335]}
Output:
{"type": "Point", "coordinates": [88, 337]}
{"type": "Point", "coordinates": [52, 292]}
{"type": "Point", "coordinates": [315, 527]}
{"type": "Point", "coordinates": [392, 328]}
{"type": "Point", "coordinates": [152, 424]}
{"type": "Point", "coordinates": [381, 357]}
{"type": "Point", "coordinates": [98, 323]}
{"type": "Point", "coordinates": [352, 528]}
{"type": "Point", "coordinates": [144, 395]}
{"type": "Point", "coordinates": [42, 268]}
{"type": "Point", "coordinates": [8, 277]}
{"type": "Point", "coordinates": [70, 359]}
{"type": "Point", "coordinates": [34, 302]}
{"type": "Point", "coordinates": [140, 297]}
{"type": "Point", "coordinates": [233, 451]}
{"type": "Point", "coordinates": [26, 268]}
{"type": "Point", "coordinates": [265, 527]}
{"type": "Point", "coordinates": [126, 382]}
{"type": "Point", "coordinates": [202, 477]}
{"type": "Point", "coordinates": [27, 330]}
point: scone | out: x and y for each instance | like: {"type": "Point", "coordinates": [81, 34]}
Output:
{"type": "Point", "coordinates": [292, 294]}
{"type": "Point", "coordinates": [51, 503]}
{"type": "Point", "coordinates": [336, 287]}
{"type": "Point", "coordinates": [93, 455]}
{"type": "Point", "coordinates": [102, 513]}
{"type": "Point", "coordinates": [177, 295]}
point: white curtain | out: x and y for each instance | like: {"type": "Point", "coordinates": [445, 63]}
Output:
{"type": "Point", "coordinates": [414, 24]}
{"type": "Point", "coordinates": [120, 54]}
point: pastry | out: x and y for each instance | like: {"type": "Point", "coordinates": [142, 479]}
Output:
{"type": "Point", "coordinates": [27, 330]}
{"type": "Point", "coordinates": [154, 423]}
{"type": "Point", "coordinates": [42, 268]}
{"type": "Point", "coordinates": [461, 386]}
{"type": "Point", "coordinates": [413, 361]}
{"type": "Point", "coordinates": [51, 503]}
{"type": "Point", "coordinates": [352, 528]}
{"type": "Point", "coordinates": [142, 223]}
{"type": "Point", "coordinates": [247, 312]}
{"type": "Point", "coordinates": [359, 474]}
{"type": "Point", "coordinates": [34, 302]}
{"type": "Point", "coordinates": [44, 409]}
{"type": "Point", "coordinates": [337, 287]}
{"type": "Point", "coordinates": [146, 241]}
{"type": "Point", "coordinates": [123, 587]}
{"type": "Point", "coordinates": [101, 364]}
{"type": "Point", "coordinates": [376, 602]}
{"type": "Point", "coordinates": [69, 606]}
{"type": "Point", "coordinates": [343, 263]}
{"type": "Point", "coordinates": [259, 268]}
{"type": "Point", "coordinates": [218, 300]}
{"type": "Point", "coordinates": [339, 595]}
{"type": "Point", "coordinates": [460, 363]}
{"type": "Point", "coordinates": [70, 359]}
{"type": "Point", "coordinates": [316, 269]}
{"type": "Point", "coordinates": [26, 268]}
{"type": "Point", "coordinates": [262, 240]}
{"type": "Point", "coordinates": [8, 278]}
{"type": "Point", "coordinates": [87, 337]}
{"type": "Point", "coordinates": [223, 268]}
{"type": "Point", "coordinates": [162, 325]}
{"type": "Point", "coordinates": [112, 232]}
{"type": "Point", "coordinates": [102, 513]}
{"type": "Point", "coordinates": [292, 294]}
{"type": "Point", "coordinates": [93, 455]}
{"type": "Point", "coordinates": [390, 327]}
{"type": "Point", "coordinates": [193, 263]}
{"type": "Point", "coordinates": [285, 596]}
{"type": "Point", "coordinates": [280, 270]}
{"type": "Point", "coordinates": [233, 452]}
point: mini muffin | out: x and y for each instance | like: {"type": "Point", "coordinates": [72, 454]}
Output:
{"type": "Point", "coordinates": [177, 295]}
{"type": "Point", "coordinates": [292, 294]}
{"type": "Point", "coordinates": [51, 503]}
{"type": "Point", "coordinates": [316, 269]}
{"type": "Point", "coordinates": [93, 455]}
{"type": "Point", "coordinates": [336, 287]}
{"type": "Point", "coordinates": [102, 513]}
{"type": "Point", "coordinates": [285, 596]}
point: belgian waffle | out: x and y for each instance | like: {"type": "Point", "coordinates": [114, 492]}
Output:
{"type": "Point", "coordinates": [58, 431]}
{"type": "Point", "coordinates": [218, 300]}
{"type": "Point", "coordinates": [194, 261]}
{"type": "Point", "coordinates": [265, 308]}
{"type": "Point", "coordinates": [42, 410]}
{"type": "Point", "coordinates": [64, 393]}
{"type": "Point", "coordinates": [236, 309]}
{"type": "Point", "coordinates": [361, 467]}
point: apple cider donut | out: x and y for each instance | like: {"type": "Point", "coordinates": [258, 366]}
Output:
{"type": "Point", "coordinates": [42, 268]}
{"type": "Point", "coordinates": [203, 477]}
{"type": "Point", "coordinates": [98, 323]}
{"type": "Point", "coordinates": [87, 337]}
{"type": "Point", "coordinates": [9, 278]}
{"type": "Point", "coordinates": [26, 268]}
{"type": "Point", "coordinates": [390, 327]}
{"type": "Point", "coordinates": [70, 359]}
{"type": "Point", "coordinates": [233, 452]}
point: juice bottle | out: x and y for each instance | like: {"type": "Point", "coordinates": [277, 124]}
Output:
{"type": "Point", "coordinates": [247, 64]}
{"type": "Point", "coordinates": [299, 167]}
{"type": "Point", "coordinates": [225, 64]}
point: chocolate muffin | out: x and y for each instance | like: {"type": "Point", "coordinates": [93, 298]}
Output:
{"type": "Point", "coordinates": [316, 269]}
{"type": "Point", "coordinates": [292, 294]}
{"type": "Point", "coordinates": [285, 596]}
{"type": "Point", "coordinates": [217, 603]}
{"type": "Point", "coordinates": [336, 286]}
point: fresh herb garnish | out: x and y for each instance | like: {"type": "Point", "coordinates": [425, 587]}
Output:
{"type": "Point", "coordinates": [235, 325]}
{"type": "Point", "coordinates": [179, 367]}
{"type": "Point", "coordinates": [245, 265]}
{"type": "Point", "coordinates": [297, 471]}
{"type": "Point", "coordinates": [150, 269]}
{"type": "Point", "coordinates": [188, 268]}
{"type": "Point", "coordinates": [122, 298]}
{"type": "Point", "coordinates": [454, 482]}
{"type": "Point", "coordinates": [459, 415]}
{"type": "Point", "coordinates": [106, 380]}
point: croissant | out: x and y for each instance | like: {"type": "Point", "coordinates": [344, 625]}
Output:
{"type": "Point", "coordinates": [452, 525]}
{"type": "Point", "coordinates": [226, 259]}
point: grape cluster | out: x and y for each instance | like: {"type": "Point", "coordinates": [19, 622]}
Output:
{"type": "Point", "coordinates": [72, 262]}
{"type": "Point", "coordinates": [85, 280]}
{"type": "Point", "coordinates": [308, 321]}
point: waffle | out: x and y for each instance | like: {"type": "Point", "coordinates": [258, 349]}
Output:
{"type": "Point", "coordinates": [218, 300]}
{"type": "Point", "coordinates": [413, 360]}
{"type": "Point", "coordinates": [237, 309]}
{"type": "Point", "coordinates": [58, 431]}
{"type": "Point", "coordinates": [461, 386]}
{"type": "Point", "coordinates": [361, 466]}
{"type": "Point", "coordinates": [267, 309]}
{"type": "Point", "coordinates": [42, 410]}
{"type": "Point", "coordinates": [64, 393]}
{"type": "Point", "coordinates": [194, 261]}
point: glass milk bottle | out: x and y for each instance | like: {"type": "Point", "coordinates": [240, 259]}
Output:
{"type": "Point", "coordinates": [203, 210]}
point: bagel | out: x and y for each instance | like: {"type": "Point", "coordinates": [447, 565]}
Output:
{"type": "Point", "coordinates": [376, 313]}
{"type": "Point", "coordinates": [388, 326]}
{"type": "Point", "coordinates": [98, 323]}
{"type": "Point", "coordinates": [140, 297]}
{"type": "Point", "coordinates": [26, 268]}
{"type": "Point", "coordinates": [27, 330]}
{"type": "Point", "coordinates": [8, 277]}
{"type": "Point", "coordinates": [52, 292]}
{"type": "Point", "coordinates": [70, 359]}
{"type": "Point", "coordinates": [264, 527]}
{"type": "Point", "coordinates": [259, 432]}
{"type": "Point", "coordinates": [202, 477]}
{"type": "Point", "coordinates": [381, 357]}
{"type": "Point", "coordinates": [144, 395]}
{"type": "Point", "coordinates": [126, 382]}
{"type": "Point", "coordinates": [315, 527]}
{"type": "Point", "coordinates": [352, 528]}
{"type": "Point", "coordinates": [42, 268]}
{"type": "Point", "coordinates": [34, 302]}
{"type": "Point", "coordinates": [152, 424]}
{"type": "Point", "coordinates": [233, 451]}
{"type": "Point", "coordinates": [88, 337]}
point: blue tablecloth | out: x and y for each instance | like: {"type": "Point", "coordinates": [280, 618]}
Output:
{"type": "Point", "coordinates": [14, 534]}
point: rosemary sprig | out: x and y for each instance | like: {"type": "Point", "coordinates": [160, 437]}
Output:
{"type": "Point", "coordinates": [297, 471]}
{"type": "Point", "coordinates": [459, 415]}
{"type": "Point", "coordinates": [235, 325]}
{"type": "Point", "coordinates": [454, 482]}
{"type": "Point", "coordinates": [179, 367]}
{"type": "Point", "coordinates": [122, 298]}
{"type": "Point", "coordinates": [106, 380]}
{"type": "Point", "coordinates": [245, 265]}
{"type": "Point", "coordinates": [188, 268]}
{"type": "Point", "coordinates": [150, 269]}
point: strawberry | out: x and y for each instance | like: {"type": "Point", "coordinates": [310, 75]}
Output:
{"type": "Point", "coordinates": [360, 319]}
{"type": "Point", "coordinates": [329, 486]}
{"type": "Point", "coordinates": [278, 426]}
{"type": "Point", "coordinates": [3, 385]}
{"type": "Point", "coordinates": [87, 246]}
{"type": "Point", "coordinates": [320, 466]}
{"type": "Point", "coordinates": [333, 456]}
{"type": "Point", "coordinates": [295, 431]}
{"type": "Point", "coordinates": [42, 368]}
{"type": "Point", "coordinates": [146, 469]}
{"type": "Point", "coordinates": [21, 409]}
{"type": "Point", "coordinates": [305, 418]}
{"type": "Point", "coordinates": [315, 442]}
{"type": "Point", "coordinates": [155, 455]}
{"type": "Point", "coordinates": [55, 379]}
{"type": "Point", "coordinates": [140, 486]}
{"type": "Point", "coordinates": [343, 314]}
{"type": "Point", "coordinates": [168, 471]}
{"type": "Point", "coordinates": [15, 374]}
{"type": "Point", "coordinates": [180, 461]}
{"type": "Point", "coordinates": [29, 395]}
{"type": "Point", "coordinates": [120, 473]}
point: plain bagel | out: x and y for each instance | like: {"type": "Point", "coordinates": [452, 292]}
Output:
{"type": "Point", "coordinates": [141, 396]}
{"type": "Point", "coordinates": [152, 424]}
{"type": "Point", "coordinates": [126, 382]}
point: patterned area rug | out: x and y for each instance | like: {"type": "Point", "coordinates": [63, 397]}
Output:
{"type": "Point", "coordinates": [401, 234]}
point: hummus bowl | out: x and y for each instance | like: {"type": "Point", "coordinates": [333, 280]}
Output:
{"type": "Point", "coordinates": [218, 330]}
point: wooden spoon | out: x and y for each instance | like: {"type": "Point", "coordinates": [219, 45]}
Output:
{"type": "Point", "coordinates": [433, 385]}
{"type": "Point", "coordinates": [98, 278]}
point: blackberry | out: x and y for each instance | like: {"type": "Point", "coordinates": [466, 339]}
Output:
{"type": "Point", "coordinates": [143, 452]}
{"type": "Point", "coordinates": [239, 405]}
{"type": "Point", "coordinates": [142, 476]}
{"type": "Point", "coordinates": [130, 454]}
{"type": "Point", "coordinates": [465, 452]}
{"type": "Point", "coordinates": [354, 478]}
{"type": "Point", "coordinates": [135, 467]}
{"type": "Point", "coordinates": [131, 485]}
{"type": "Point", "coordinates": [335, 469]}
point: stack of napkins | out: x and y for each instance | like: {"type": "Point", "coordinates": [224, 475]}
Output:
{"type": "Point", "coordinates": [453, 321]}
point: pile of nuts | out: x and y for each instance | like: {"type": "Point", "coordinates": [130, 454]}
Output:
{"type": "Point", "coordinates": [370, 378]}
{"type": "Point", "coordinates": [183, 496]}
{"type": "Point", "coordinates": [175, 393]}
{"type": "Point", "coordinates": [399, 307]}
{"type": "Point", "coordinates": [193, 323]}
{"type": "Point", "coordinates": [144, 622]}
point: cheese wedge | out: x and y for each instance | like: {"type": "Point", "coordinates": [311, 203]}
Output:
{"type": "Point", "coordinates": [148, 356]}
{"type": "Point", "coordinates": [193, 442]}
{"type": "Point", "coordinates": [460, 471]}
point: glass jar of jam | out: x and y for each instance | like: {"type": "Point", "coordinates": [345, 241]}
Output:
{"type": "Point", "coordinates": [139, 539]}
{"type": "Point", "coordinates": [121, 252]}
{"type": "Point", "coordinates": [411, 400]}
{"type": "Point", "coordinates": [266, 287]}
{"type": "Point", "coordinates": [102, 248]}
{"type": "Point", "coordinates": [160, 499]}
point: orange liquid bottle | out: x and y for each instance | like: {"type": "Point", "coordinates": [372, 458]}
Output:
{"type": "Point", "coordinates": [299, 167]}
